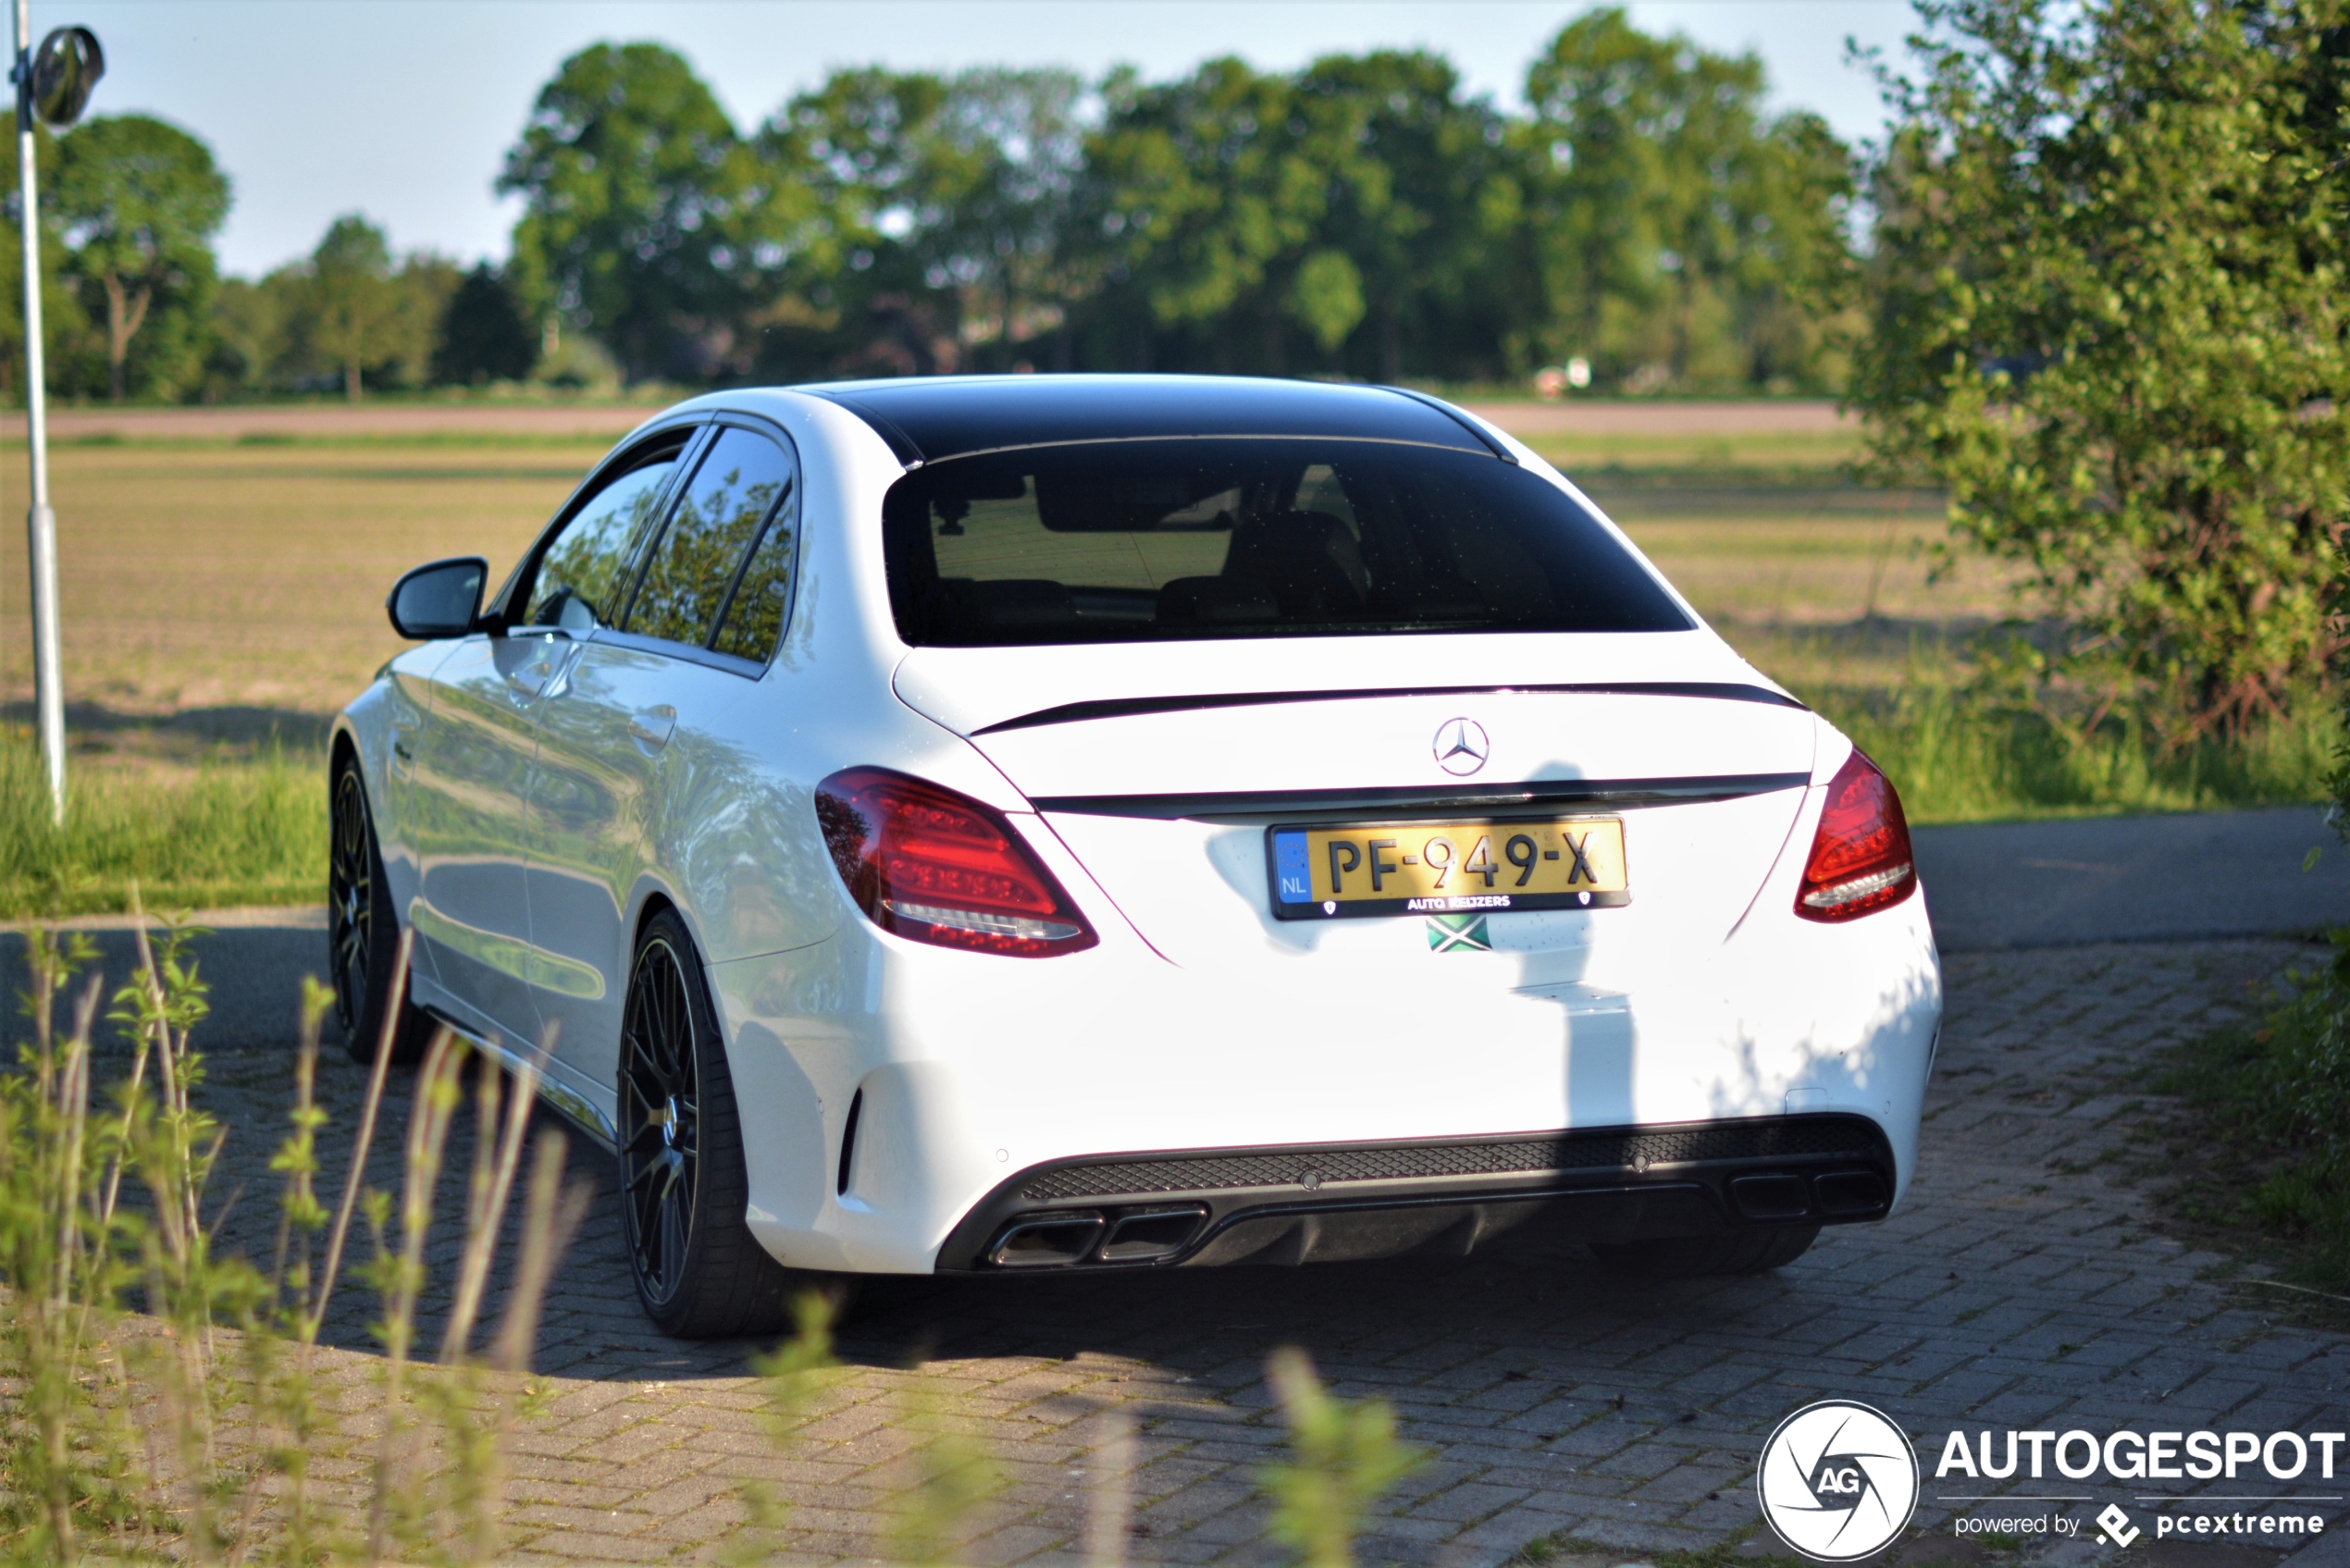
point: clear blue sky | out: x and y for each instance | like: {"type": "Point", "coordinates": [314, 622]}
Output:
{"type": "Point", "coordinates": [404, 109]}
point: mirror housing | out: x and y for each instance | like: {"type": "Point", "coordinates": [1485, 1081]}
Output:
{"type": "Point", "coordinates": [65, 69]}
{"type": "Point", "coordinates": [441, 598]}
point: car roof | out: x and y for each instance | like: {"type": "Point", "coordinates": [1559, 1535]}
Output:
{"type": "Point", "coordinates": [927, 419]}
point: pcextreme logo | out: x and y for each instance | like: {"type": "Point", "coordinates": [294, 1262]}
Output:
{"type": "Point", "coordinates": [1838, 1480]}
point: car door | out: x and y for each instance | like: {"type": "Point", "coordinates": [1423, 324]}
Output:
{"type": "Point", "coordinates": [623, 776]}
{"type": "Point", "coordinates": [468, 785]}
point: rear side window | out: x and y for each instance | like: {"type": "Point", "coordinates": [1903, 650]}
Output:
{"type": "Point", "coordinates": [1157, 541]}
{"type": "Point", "coordinates": [584, 570]}
{"type": "Point", "coordinates": [753, 618]}
{"type": "Point", "coordinates": [743, 480]}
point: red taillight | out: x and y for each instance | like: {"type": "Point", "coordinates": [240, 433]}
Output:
{"type": "Point", "coordinates": [939, 867]}
{"type": "Point", "coordinates": [1860, 856]}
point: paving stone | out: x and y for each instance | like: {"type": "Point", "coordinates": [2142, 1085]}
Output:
{"type": "Point", "coordinates": [2021, 1283]}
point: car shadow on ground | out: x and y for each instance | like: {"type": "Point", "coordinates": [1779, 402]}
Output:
{"type": "Point", "coordinates": [1208, 1321]}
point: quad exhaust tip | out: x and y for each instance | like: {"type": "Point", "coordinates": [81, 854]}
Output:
{"type": "Point", "coordinates": [1836, 1194]}
{"type": "Point", "coordinates": [1088, 1236]}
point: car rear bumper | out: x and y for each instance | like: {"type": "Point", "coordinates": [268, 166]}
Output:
{"type": "Point", "coordinates": [1323, 1202]}
{"type": "Point", "coordinates": [903, 1107]}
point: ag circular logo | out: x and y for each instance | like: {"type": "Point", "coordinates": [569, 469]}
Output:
{"type": "Point", "coordinates": [1838, 1480]}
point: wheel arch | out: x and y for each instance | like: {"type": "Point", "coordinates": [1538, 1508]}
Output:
{"type": "Point", "coordinates": [342, 743]}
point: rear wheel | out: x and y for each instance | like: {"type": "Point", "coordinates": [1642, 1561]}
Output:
{"type": "Point", "coordinates": [363, 934]}
{"type": "Point", "coordinates": [1729, 1251]}
{"type": "Point", "coordinates": [683, 1188]}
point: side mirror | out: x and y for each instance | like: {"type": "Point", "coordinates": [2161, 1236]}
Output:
{"type": "Point", "coordinates": [440, 600]}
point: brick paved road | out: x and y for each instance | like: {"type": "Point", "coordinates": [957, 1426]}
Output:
{"type": "Point", "coordinates": [2018, 1285]}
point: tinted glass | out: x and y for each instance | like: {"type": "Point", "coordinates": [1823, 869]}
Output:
{"type": "Point", "coordinates": [584, 570]}
{"type": "Point", "coordinates": [1164, 540]}
{"type": "Point", "coordinates": [755, 617]}
{"type": "Point", "coordinates": [736, 488]}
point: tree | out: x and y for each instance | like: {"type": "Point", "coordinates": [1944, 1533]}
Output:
{"type": "Point", "coordinates": [1203, 196]}
{"type": "Point", "coordinates": [1676, 220]}
{"type": "Point", "coordinates": [1426, 206]}
{"type": "Point", "coordinates": [637, 198]}
{"type": "Point", "coordinates": [482, 335]}
{"type": "Point", "coordinates": [2109, 314]}
{"type": "Point", "coordinates": [922, 216]}
{"type": "Point", "coordinates": [249, 330]}
{"type": "Point", "coordinates": [351, 309]}
{"type": "Point", "coordinates": [139, 202]}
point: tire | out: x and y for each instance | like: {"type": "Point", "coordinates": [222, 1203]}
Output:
{"type": "Point", "coordinates": [700, 1273]}
{"type": "Point", "coordinates": [362, 932]}
{"type": "Point", "coordinates": [1751, 1251]}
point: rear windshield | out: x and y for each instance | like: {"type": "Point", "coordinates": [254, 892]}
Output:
{"type": "Point", "coordinates": [1163, 540]}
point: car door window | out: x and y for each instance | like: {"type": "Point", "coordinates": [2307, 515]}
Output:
{"type": "Point", "coordinates": [584, 573]}
{"type": "Point", "coordinates": [753, 618]}
{"type": "Point", "coordinates": [739, 483]}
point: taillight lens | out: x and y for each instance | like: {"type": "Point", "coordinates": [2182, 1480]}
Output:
{"type": "Point", "coordinates": [1861, 858]}
{"type": "Point", "coordinates": [934, 866]}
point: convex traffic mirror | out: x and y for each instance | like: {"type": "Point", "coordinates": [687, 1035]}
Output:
{"type": "Point", "coordinates": [66, 69]}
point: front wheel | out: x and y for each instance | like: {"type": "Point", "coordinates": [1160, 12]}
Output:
{"type": "Point", "coordinates": [1729, 1251]}
{"type": "Point", "coordinates": [363, 934]}
{"type": "Point", "coordinates": [699, 1272]}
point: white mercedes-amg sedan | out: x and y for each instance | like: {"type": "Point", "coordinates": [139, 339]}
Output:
{"type": "Point", "coordinates": [994, 826]}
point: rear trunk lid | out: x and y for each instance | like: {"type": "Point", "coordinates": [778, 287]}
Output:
{"type": "Point", "coordinates": [1163, 767]}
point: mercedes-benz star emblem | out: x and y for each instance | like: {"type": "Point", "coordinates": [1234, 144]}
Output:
{"type": "Point", "coordinates": [1461, 747]}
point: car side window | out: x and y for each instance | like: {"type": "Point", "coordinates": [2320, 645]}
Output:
{"type": "Point", "coordinates": [743, 479]}
{"type": "Point", "coordinates": [584, 571]}
{"type": "Point", "coordinates": [753, 618]}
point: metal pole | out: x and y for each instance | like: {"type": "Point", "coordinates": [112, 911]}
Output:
{"type": "Point", "coordinates": [41, 524]}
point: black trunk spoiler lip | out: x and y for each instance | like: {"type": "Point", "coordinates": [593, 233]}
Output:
{"type": "Point", "coordinates": [1421, 802]}
{"type": "Point", "coordinates": [1133, 707]}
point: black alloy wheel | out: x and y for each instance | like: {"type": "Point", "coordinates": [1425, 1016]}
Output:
{"type": "Point", "coordinates": [700, 1274]}
{"type": "Point", "coordinates": [351, 898]}
{"type": "Point", "coordinates": [363, 933]}
{"type": "Point", "coordinates": [661, 1108]}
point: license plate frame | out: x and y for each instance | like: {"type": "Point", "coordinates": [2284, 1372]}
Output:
{"type": "Point", "coordinates": [1290, 850]}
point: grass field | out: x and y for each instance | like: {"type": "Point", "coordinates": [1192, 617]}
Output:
{"type": "Point", "coordinates": [221, 598]}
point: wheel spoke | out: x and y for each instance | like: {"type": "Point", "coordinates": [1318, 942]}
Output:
{"type": "Point", "coordinates": [672, 1236]}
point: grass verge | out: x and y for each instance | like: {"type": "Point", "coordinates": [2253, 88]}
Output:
{"type": "Point", "coordinates": [229, 832]}
{"type": "Point", "coordinates": [1960, 761]}
{"type": "Point", "coordinates": [2260, 1151]}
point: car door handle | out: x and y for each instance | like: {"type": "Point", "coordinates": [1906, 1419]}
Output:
{"type": "Point", "coordinates": [652, 728]}
{"type": "Point", "coordinates": [531, 679]}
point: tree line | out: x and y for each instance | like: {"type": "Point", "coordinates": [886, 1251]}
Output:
{"type": "Point", "coordinates": [1364, 217]}
{"type": "Point", "coordinates": [2092, 283]}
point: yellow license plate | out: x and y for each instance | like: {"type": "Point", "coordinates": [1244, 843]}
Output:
{"type": "Point", "coordinates": [1441, 868]}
